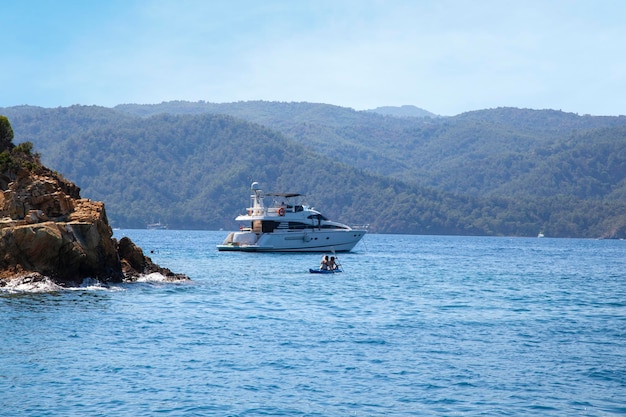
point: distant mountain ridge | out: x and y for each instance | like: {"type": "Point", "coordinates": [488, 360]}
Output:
{"type": "Point", "coordinates": [402, 111]}
{"type": "Point", "coordinates": [501, 171]}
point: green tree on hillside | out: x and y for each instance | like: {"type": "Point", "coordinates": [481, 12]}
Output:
{"type": "Point", "coordinates": [6, 134]}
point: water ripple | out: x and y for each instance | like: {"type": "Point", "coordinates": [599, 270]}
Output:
{"type": "Point", "coordinates": [415, 326]}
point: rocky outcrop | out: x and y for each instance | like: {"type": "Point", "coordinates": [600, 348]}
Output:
{"type": "Point", "coordinates": [46, 229]}
{"type": "Point", "coordinates": [135, 264]}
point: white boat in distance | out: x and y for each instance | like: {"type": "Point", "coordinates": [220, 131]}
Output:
{"type": "Point", "coordinates": [156, 226]}
{"type": "Point", "coordinates": [288, 227]}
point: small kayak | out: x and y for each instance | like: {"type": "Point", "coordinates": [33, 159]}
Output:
{"type": "Point", "coordinates": [324, 271]}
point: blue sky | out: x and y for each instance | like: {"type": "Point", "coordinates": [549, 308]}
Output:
{"type": "Point", "coordinates": [446, 56]}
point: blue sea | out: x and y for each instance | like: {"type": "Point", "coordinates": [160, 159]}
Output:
{"type": "Point", "coordinates": [414, 326]}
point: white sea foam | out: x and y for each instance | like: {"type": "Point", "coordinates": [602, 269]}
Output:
{"type": "Point", "coordinates": [43, 284]}
{"type": "Point", "coordinates": [153, 277]}
{"type": "Point", "coordinates": [30, 284]}
{"type": "Point", "coordinates": [93, 284]}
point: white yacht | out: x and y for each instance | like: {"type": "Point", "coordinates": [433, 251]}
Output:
{"type": "Point", "coordinates": [288, 227]}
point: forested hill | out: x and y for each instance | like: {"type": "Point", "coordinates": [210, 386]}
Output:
{"type": "Point", "coordinates": [506, 150]}
{"type": "Point", "coordinates": [190, 165]}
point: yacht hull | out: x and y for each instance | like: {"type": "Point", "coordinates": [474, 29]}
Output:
{"type": "Point", "coordinates": [343, 241]}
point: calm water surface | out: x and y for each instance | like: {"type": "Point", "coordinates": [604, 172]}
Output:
{"type": "Point", "coordinates": [416, 325]}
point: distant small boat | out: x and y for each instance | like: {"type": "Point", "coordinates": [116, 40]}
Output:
{"type": "Point", "coordinates": [540, 234]}
{"type": "Point", "coordinates": [157, 226]}
{"type": "Point", "coordinates": [324, 271]}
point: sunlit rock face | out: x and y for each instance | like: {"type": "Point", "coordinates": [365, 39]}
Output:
{"type": "Point", "coordinates": [46, 229]}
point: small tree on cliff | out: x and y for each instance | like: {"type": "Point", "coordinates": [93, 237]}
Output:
{"type": "Point", "coordinates": [6, 134]}
{"type": "Point", "coordinates": [13, 158]}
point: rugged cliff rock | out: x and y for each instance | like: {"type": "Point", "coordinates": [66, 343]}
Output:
{"type": "Point", "coordinates": [48, 230]}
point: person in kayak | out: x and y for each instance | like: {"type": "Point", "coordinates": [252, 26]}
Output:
{"type": "Point", "coordinates": [332, 265]}
{"type": "Point", "coordinates": [324, 266]}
